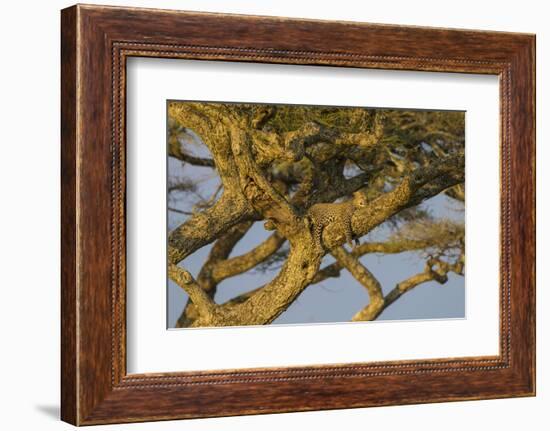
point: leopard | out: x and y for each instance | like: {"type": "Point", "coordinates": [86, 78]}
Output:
{"type": "Point", "coordinates": [322, 215]}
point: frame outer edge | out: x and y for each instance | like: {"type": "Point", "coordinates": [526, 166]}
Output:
{"type": "Point", "coordinates": [533, 54]}
{"type": "Point", "coordinates": [528, 61]}
{"type": "Point", "coordinates": [69, 196]}
{"type": "Point", "coordinates": [523, 216]}
{"type": "Point", "coordinates": [87, 396]}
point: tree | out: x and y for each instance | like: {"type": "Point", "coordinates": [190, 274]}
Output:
{"type": "Point", "coordinates": [274, 163]}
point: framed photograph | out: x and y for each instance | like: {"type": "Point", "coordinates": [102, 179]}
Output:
{"type": "Point", "coordinates": [264, 214]}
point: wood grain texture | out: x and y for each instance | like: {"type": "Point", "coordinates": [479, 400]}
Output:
{"type": "Point", "coordinates": [96, 41]}
{"type": "Point", "coordinates": [68, 218]}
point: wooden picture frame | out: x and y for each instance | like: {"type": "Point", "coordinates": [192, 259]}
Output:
{"type": "Point", "coordinates": [95, 43]}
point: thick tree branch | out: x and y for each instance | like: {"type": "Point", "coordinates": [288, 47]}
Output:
{"type": "Point", "coordinates": [220, 251]}
{"type": "Point", "coordinates": [367, 280]}
{"type": "Point", "coordinates": [237, 265]}
{"type": "Point", "coordinates": [420, 185]}
{"type": "Point", "coordinates": [190, 116]}
{"type": "Point", "coordinates": [200, 298]}
{"type": "Point", "coordinates": [204, 227]}
{"type": "Point", "coordinates": [208, 121]}
{"type": "Point", "coordinates": [265, 304]}
{"type": "Point", "coordinates": [255, 186]}
{"type": "Point", "coordinates": [407, 285]}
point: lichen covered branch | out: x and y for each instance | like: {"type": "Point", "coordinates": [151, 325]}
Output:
{"type": "Point", "coordinates": [200, 298]}
{"type": "Point", "coordinates": [239, 264]}
{"type": "Point", "coordinates": [367, 280]}
{"type": "Point", "coordinates": [204, 227]}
